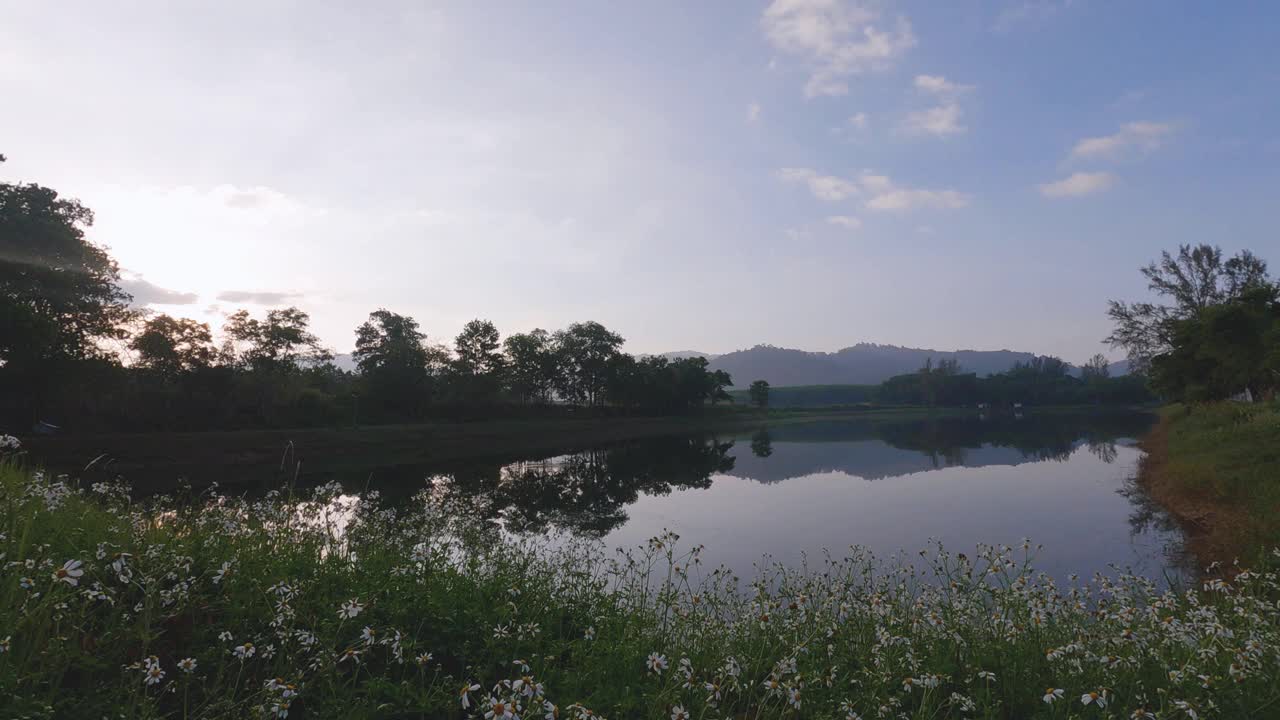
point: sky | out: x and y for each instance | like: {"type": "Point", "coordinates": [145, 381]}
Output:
{"type": "Point", "coordinates": [706, 176]}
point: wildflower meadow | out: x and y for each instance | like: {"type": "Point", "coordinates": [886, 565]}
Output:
{"type": "Point", "coordinates": [325, 605]}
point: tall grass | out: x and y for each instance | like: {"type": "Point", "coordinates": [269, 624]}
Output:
{"type": "Point", "coordinates": [325, 605]}
{"type": "Point", "coordinates": [1225, 457]}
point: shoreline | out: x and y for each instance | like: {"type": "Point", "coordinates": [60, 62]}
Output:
{"type": "Point", "coordinates": [242, 458]}
{"type": "Point", "coordinates": [1198, 466]}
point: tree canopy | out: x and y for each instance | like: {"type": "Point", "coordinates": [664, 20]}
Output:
{"type": "Point", "coordinates": [1219, 335]}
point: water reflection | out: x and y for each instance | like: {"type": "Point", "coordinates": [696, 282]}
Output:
{"type": "Point", "coordinates": [585, 493]}
{"type": "Point", "coordinates": [786, 490]}
{"type": "Point", "coordinates": [1063, 479]}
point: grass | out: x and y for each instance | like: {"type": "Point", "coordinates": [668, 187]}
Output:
{"type": "Point", "coordinates": [1217, 466]}
{"type": "Point", "coordinates": [325, 606]}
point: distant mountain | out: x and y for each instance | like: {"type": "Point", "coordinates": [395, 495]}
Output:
{"type": "Point", "coordinates": [861, 364]}
{"type": "Point", "coordinates": [344, 361]}
{"type": "Point", "coordinates": [684, 354]}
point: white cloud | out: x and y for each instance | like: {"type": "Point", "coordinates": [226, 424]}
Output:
{"type": "Point", "coordinates": [845, 221]}
{"type": "Point", "coordinates": [939, 85]}
{"type": "Point", "coordinates": [941, 121]}
{"type": "Point", "coordinates": [1143, 136]}
{"type": "Point", "coordinates": [258, 297]}
{"type": "Point", "coordinates": [838, 38]}
{"type": "Point", "coordinates": [1081, 183]}
{"type": "Point", "coordinates": [882, 193]}
{"type": "Point", "coordinates": [753, 112]}
{"type": "Point", "coordinates": [911, 199]}
{"type": "Point", "coordinates": [144, 292]}
{"type": "Point", "coordinates": [823, 187]}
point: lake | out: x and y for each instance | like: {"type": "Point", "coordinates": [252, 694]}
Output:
{"type": "Point", "coordinates": [1064, 480]}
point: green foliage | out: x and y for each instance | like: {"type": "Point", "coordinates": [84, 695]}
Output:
{"type": "Point", "coordinates": [172, 346]}
{"type": "Point", "coordinates": [759, 393]}
{"type": "Point", "coordinates": [1219, 337]}
{"type": "Point", "coordinates": [533, 365]}
{"type": "Point", "coordinates": [279, 344]}
{"type": "Point", "coordinates": [60, 300]}
{"type": "Point", "coordinates": [327, 605]}
{"type": "Point", "coordinates": [1040, 381]}
{"type": "Point", "coordinates": [586, 352]}
{"type": "Point", "coordinates": [394, 362]}
{"type": "Point", "coordinates": [662, 385]}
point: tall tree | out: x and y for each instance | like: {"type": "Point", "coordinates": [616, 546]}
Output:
{"type": "Point", "coordinates": [478, 362]}
{"type": "Point", "coordinates": [393, 358]}
{"type": "Point", "coordinates": [1194, 279]}
{"type": "Point", "coordinates": [171, 346]}
{"type": "Point", "coordinates": [1097, 368]}
{"type": "Point", "coordinates": [586, 350]}
{"type": "Point", "coordinates": [532, 365]}
{"type": "Point", "coordinates": [60, 298]}
{"type": "Point", "coordinates": [478, 349]}
{"type": "Point", "coordinates": [759, 393]}
{"type": "Point", "coordinates": [59, 293]}
{"type": "Point", "coordinates": [389, 341]}
{"type": "Point", "coordinates": [281, 342]}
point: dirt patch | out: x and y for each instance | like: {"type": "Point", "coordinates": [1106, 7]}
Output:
{"type": "Point", "coordinates": [1214, 530]}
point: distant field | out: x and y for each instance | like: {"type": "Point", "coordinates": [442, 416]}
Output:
{"type": "Point", "coordinates": [813, 396]}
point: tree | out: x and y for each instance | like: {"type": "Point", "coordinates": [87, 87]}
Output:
{"type": "Point", "coordinates": [1195, 279]}
{"type": "Point", "coordinates": [585, 351]}
{"type": "Point", "coordinates": [477, 349]}
{"type": "Point", "coordinates": [532, 366]}
{"type": "Point", "coordinates": [1097, 368]}
{"type": "Point", "coordinates": [762, 444]}
{"type": "Point", "coordinates": [759, 393]}
{"type": "Point", "coordinates": [59, 293]}
{"type": "Point", "coordinates": [389, 342]}
{"type": "Point", "coordinates": [280, 343]}
{"type": "Point", "coordinates": [1223, 349]}
{"type": "Point", "coordinates": [171, 346]}
{"type": "Point", "coordinates": [478, 363]}
{"type": "Point", "coordinates": [393, 360]}
{"type": "Point", "coordinates": [60, 299]}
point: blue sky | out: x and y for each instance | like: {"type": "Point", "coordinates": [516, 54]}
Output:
{"type": "Point", "coordinates": [806, 173]}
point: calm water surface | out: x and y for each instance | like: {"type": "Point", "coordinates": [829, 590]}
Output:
{"type": "Point", "coordinates": [1062, 481]}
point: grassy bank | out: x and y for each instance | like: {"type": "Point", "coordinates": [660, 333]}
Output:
{"type": "Point", "coordinates": [1217, 468]}
{"type": "Point", "coordinates": [324, 607]}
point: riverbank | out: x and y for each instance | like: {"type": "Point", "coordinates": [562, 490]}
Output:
{"type": "Point", "coordinates": [264, 458]}
{"type": "Point", "coordinates": [1216, 468]}
{"type": "Point", "coordinates": [320, 605]}
{"type": "Point", "coordinates": [267, 456]}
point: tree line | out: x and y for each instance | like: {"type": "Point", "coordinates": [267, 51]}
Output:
{"type": "Point", "coordinates": [75, 353]}
{"type": "Point", "coordinates": [1043, 380]}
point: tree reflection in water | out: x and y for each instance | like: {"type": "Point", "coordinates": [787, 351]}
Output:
{"type": "Point", "coordinates": [585, 493]}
